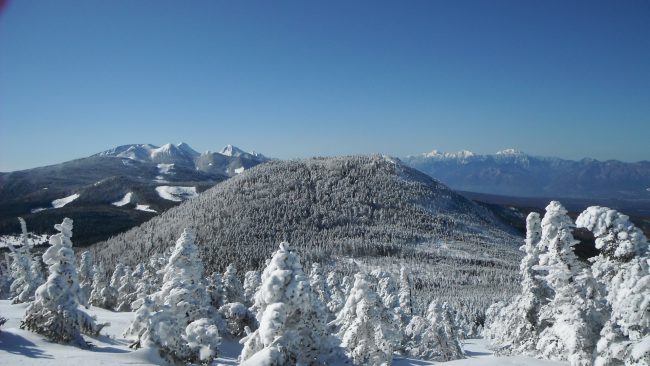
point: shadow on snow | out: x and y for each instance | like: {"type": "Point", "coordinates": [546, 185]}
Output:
{"type": "Point", "coordinates": [14, 343]}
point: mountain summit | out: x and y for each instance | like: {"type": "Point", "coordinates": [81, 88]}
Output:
{"type": "Point", "coordinates": [122, 187]}
{"type": "Point", "coordinates": [350, 209]}
{"type": "Point", "coordinates": [511, 172]}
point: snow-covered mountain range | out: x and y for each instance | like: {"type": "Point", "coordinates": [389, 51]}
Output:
{"type": "Point", "coordinates": [117, 188]}
{"type": "Point", "coordinates": [511, 172]}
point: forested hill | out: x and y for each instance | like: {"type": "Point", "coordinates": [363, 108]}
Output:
{"type": "Point", "coordinates": [360, 206]}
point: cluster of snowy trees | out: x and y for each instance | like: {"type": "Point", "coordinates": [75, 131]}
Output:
{"type": "Point", "coordinates": [358, 206]}
{"type": "Point", "coordinates": [595, 313]}
{"type": "Point", "coordinates": [376, 211]}
{"type": "Point", "coordinates": [25, 270]}
{"type": "Point", "coordinates": [281, 315]}
{"type": "Point", "coordinates": [284, 316]}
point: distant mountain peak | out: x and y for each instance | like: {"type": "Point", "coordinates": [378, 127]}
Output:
{"type": "Point", "coordinates": [232, 151]}
{"type": "Point", "coordinates": [510, 152]}
{"type": "Point", "coordinates": [462, 155]}
{"type": "Point", "coordinates": [186, 148]}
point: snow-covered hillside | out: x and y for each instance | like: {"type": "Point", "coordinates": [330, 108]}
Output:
{"type": "Point", "coordinates": [377, 211]}
{"type": "Point", "coordinates": [21, 347]}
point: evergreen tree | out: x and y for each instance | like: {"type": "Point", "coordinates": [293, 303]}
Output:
{"type": "Point", "coordinates": [126, 292]}
{"type": "Point", "coordinates": [565, 330]}
{"type": "Point", "coordinates": [391, 319]}
{"type": "Point", "coordinates": [86, 275]}
{"type": "Point", "coordinates": [215, 290]}
{"type": "Point", "coordinates": [441, 317]}
{"type": "Point", "coordinates": [515, 329]}
{"type": "Point", "coordinates": [99, 284]}
{"type": "Point", "coordinates": [291, 331]}
{"type": "Point", "coordinates": [433, 337]}
{"type": "Point", "coordinates": [622, 273]}
{"type": "Point", "coordinates": [252, 282]}
{"type": "Point", "coordinates": [232, 286]}
{"type": "Point", "coordinates": [405, 294]}
{"type": "Point", "coordinates": [237, 317]}
{"type": "Point", "coordinates": [176, 318]}
{"type": "Point", "coordinates": [337, 297]}
{"type": "Point", "coordinates": [360, 326]}
{"type": "Point", "coordinates": [23, 270]}
{"type": "Point", "coordinates": [317, 283]}
{"type": "Point", "coordinates": [54, 312]}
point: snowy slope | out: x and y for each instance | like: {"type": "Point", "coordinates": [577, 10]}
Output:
{"type": "Point", "coordinates": [175, 193]}
{"type": "Point", "coordinates": [21, 347]}
{"type": "Point", "coordinates": [124, 201]}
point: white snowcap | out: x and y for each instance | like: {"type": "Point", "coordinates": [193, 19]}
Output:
{"type": "Point", "coordinates": [460, 155]}
{"type": "Point", "coordinates": [509, 152]}
{"type": "Point", "coordinates": [614, 232]}
{"type": "Point", "coordinates": [65, 227]}
{"type": "Point", "coordinates": [285, 246]}
{"type": "Point", "coordinates": [232, 151]}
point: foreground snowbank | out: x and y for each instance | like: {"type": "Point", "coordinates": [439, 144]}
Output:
{"type": "Point", "coordinates": [20, 347]}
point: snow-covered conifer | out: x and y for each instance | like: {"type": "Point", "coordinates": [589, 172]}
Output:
{"type": "Point", "coordinates": [566, 333]}
{"type": "Point", "coordinates": [109, 292]}
{"type": "Point", "coordinates": [202, 337]}
{"type": "Point", "coordinates": [318, 284]}
{"type": "Point", "coordinates": [237, 317]}
{"type": "Point", "coordinates": [360, 326]}
{"type": "Point", "coordinates": [232, 286]}
{"type": "Point", "coordinates": [99, 284]}
{"type": "Point", "coordinates": [143, 286]}
{"type": "Point", "coordinates": [405, 294]}
{"type": "Point", "coordinates": [252, 282]}
{"type": "Point", "coordinates": [290, 330]}
{"type": "Point", "coordinates": [433, 337]}
{"type": "Point", "coordinates": [85, 278]}
{"type": "Point", "coordinates": [391, 319]}
{"type": "Point", "coordinates": [515, 330]}
{"type": "Point", "coordinates": [622, 270]}
{"type": "Point", "coordinates": [23, 270]}
{"type": "Point", "coordinates": [163, 319]}
{"type": "Point", "coordinates": [54, 312]}
{"type": "Point", "coordinates": [449, 347]}
{"type": "Point", "coordinates": [215, 290]}
{"type": "Point", "coordinates": [127, 293]}
{"type": "Point", "coordinates": [337, 297]}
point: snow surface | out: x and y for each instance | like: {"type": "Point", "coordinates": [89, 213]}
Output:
{"type": "Point", "coordinates": [144, 208]}
{"type": "Point", "coordinates": [58, 203]}
{"type": "Point", "coordinates": [239, 170]}
{"type": "Point", "coordinates": [64, 201]}
{"type": "Point", "coordinates": [124, 201]}
{"type": "Point", "coordinates": [21, 347]}
{"type": "Point", "coordinates": [165, 168]}
{"type": "Point", "coordinates": [175, 193]}
{"type": "Point", "coordinates": [16, 240]}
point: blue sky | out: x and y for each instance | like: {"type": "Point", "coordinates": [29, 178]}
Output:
{"type": "Point", "coordinates": [302, 78]}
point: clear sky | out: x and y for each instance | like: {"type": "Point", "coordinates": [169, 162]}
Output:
{"type": "Point", "coordinates": [302, 78]}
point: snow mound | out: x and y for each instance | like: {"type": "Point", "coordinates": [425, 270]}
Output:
{"type": "Point", "coordinates": [21, 347]}
{"type": "Point", "coordinates": [64, 201]}
{"type": "Point", "coordinates": [144, 208]}
{"type": "Point", "coordinates": [16, 240]}
{"type": "Point", "coordinates": [175, 193]}
{"type": "Point", "coordinates": [165, 168]}
{"type": "Point", "coordinates": [124, 201]}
